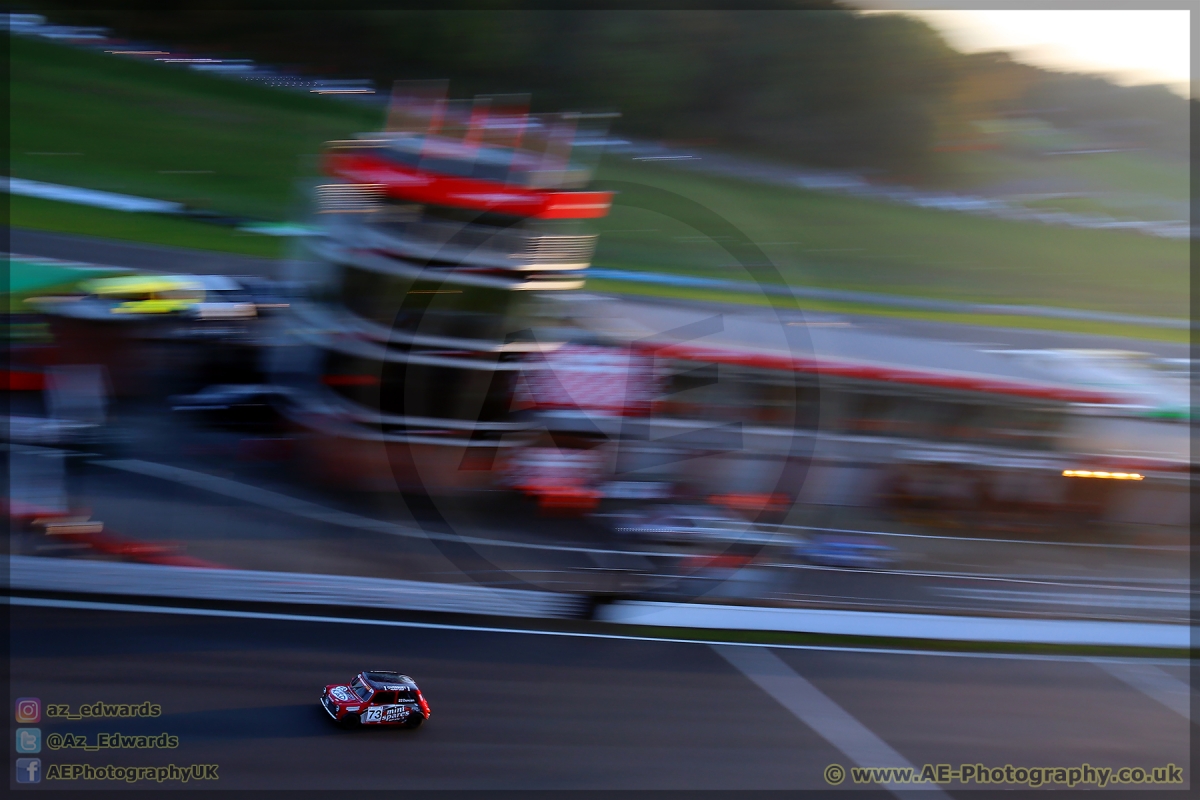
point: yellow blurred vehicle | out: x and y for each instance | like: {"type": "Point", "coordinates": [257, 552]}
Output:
{"type": "Point", "coordinates": [146, 294]}
{"type": "Point", "coordinates": [201, 296]}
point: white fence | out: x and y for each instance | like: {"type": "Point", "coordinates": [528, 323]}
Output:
{"type": "Point", "coordinates": [899, 626]}
{"type": "Point", "coordinates": [250, 586]}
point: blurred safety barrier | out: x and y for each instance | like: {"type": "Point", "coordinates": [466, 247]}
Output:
{"type": "Point", "coordinates": [894, 625]}
{"type": "Point", "coordinates": [89, 197]}
{"type": "Point", "coordinates": [101, 577]}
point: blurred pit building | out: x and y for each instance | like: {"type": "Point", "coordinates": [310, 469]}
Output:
{"type": "Point", "coordinates": [445, 348]}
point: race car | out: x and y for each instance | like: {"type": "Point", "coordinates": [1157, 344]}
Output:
{"type": "Point", "coordinates": [846, 553]}
{"type": "Point", "coordinates": [376, 698]}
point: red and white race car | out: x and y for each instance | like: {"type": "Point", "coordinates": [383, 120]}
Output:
{"type": "Point", "coordinates": [376, 698]}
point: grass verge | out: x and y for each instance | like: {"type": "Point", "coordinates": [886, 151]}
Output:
{"type": "Point", "coordinates": [50, 215]}
{"type": "Point", "coordinates": [83, 118]}
{"type": "Point", "coordinates": [668, 219]}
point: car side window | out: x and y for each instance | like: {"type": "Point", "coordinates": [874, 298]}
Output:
{"type": "Point", "coordinates": [383, 698]}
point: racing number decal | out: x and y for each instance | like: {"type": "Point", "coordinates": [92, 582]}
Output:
{"type": "Point", "coordinates": [385, 713]}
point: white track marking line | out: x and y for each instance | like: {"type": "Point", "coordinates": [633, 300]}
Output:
{"type": "Point", "coordinates": [135, 608]}
{"type": "Point", "coordinates": [1153, 682]}
{"type": "Point", "coordinates": [812, 707]}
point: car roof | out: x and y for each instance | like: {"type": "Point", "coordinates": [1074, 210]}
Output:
{"type": "Point", "coordinates": [140, 283]}
{"type": "Point", "coordinates": [216, 283]}
{"type": "Point", "coordinates": [389, 681]}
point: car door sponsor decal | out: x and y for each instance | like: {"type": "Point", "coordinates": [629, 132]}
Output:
{"type": "Point", "coordinates": [386, 713]}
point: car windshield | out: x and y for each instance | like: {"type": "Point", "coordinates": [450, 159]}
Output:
{"type": "Point", "coordinates": [360, 689]}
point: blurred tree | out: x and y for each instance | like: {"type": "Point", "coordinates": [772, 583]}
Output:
{"type": "Point", "coordinates": [1127, 116]}
{"type": "Point", "coordinates": [808, 80]}
{"type": "Point", "coordinates": [987, 85]}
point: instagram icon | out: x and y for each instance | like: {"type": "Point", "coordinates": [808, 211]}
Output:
{"type": "Point", "coordinates": [29, 709]}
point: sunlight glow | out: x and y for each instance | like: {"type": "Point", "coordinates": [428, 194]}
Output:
{"type": "Point", "coordinates": [1130, 47]}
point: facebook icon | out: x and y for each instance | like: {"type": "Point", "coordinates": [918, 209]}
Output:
{"type": "Point", "coordinates": [29, 770]}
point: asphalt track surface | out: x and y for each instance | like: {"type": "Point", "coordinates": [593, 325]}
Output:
{"type": "Point", "coordinates": [525, 711]}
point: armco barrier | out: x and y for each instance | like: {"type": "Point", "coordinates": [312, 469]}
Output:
{"type": "Point", "coordinates": [894, 625]}
{"type": "Point", "coordinates": [195, 583]}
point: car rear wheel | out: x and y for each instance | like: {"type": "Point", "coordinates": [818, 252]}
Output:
{"type": "Point", "coordinates": [414, 721]}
